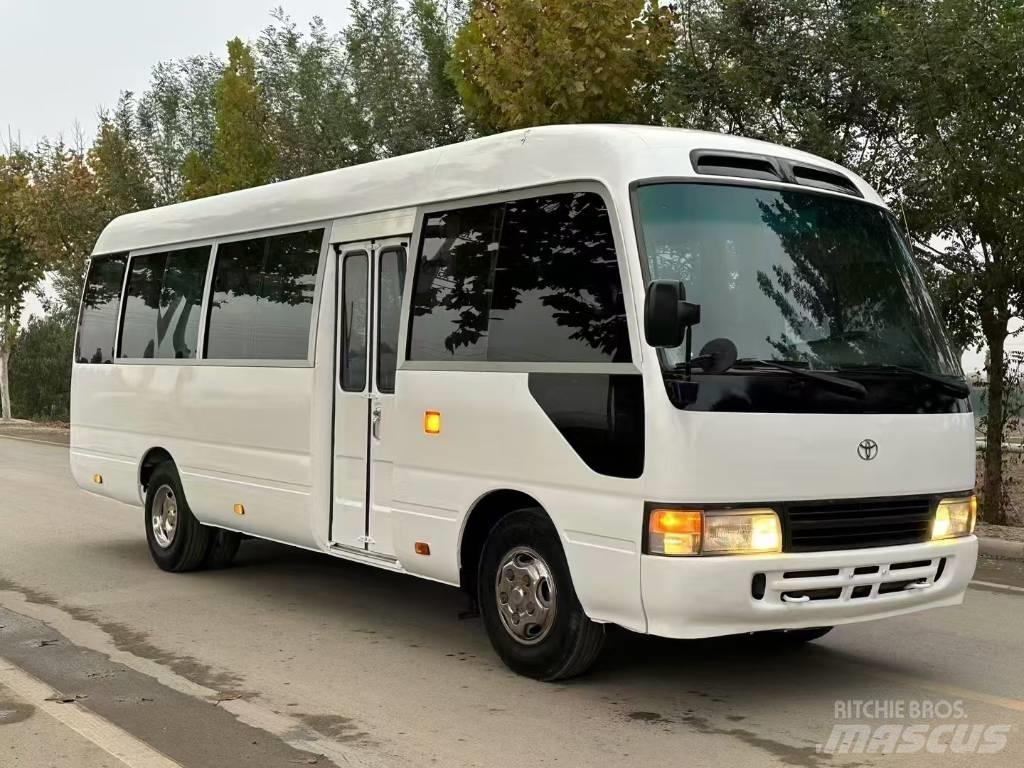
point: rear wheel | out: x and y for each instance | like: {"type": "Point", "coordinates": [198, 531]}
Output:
{"type": "Point", "coordinates": [177, 541]}
{"type": "Point", "coordinates": [223, 548]}
{"type": "Point", "coordinates": [533, 618]}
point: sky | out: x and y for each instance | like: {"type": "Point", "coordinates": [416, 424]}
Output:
{"type": "Point", "coordinates": [63, 61]}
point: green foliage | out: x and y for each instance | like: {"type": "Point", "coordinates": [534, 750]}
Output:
{"type": "Point", "coordinates": [124, 178]}
{"type": "Point", "coordinates": [66, 213]}
{"type": "Point", "coordinates": [243, 155]}
{"type": "Point", "coordinates": [397, 62]}
{"type": "Point", "coordinates": [21, 266]}
{"type": "Point", "coordinates": [519, 63]}
{"type": "Point", "coordinates": [805, 73]}
{"type": "Point", "coordinates": [314, 121]}
{"type": "Point", "coordinates": [41, 368]}
{"type": "Point", "coordinates": [175, 117]}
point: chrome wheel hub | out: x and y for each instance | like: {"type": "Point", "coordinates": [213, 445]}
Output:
{"type": "Point", "coordinates": [164, 519]}
{"type": "Point", "coordinates": [525, 593]}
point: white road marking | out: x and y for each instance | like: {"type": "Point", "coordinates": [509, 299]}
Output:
{"type": "Point", "coordinates": [104, 734]}
{"type": "Point", "coordinates": [291, 730]}
{"type": "Point", "coordinates": [996, 585]}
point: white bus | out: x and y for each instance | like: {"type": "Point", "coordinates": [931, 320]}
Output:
{"type": "Point", "coordinates": [684, 383]}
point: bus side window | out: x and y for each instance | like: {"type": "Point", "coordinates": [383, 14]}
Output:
{"type": "Point", "coordinates": [391, 280]}
{"type": "Point", "coordinates": [354, 308]}
{"type": "Point", "coordinates": [101, 303]}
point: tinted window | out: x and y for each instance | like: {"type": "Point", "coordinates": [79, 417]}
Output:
{"type": "Point", "coordinates": [557, 293]}
{"type": "Point", "coordinates": [162, 304]}
{"type": "Point", "coordinates": [142, 305]}
{"type": "Point", "coordinates": [262, 301]}
{"type": "Point", "coordinates": [354, 311]}
{"type": "Point", "coordinates": [181, 299]}
{"type": "Point", "coordinates": [453, 284]}
{"type": "Point", "coordinates": [815, 280]}
{"type": "Point", "coordinates": [101, 302]}
{"type": "Point", "coordinates": [532, 280]}
{"type": "Point", "coordinates": [392, 277]}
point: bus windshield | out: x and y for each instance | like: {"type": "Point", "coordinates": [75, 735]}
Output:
{"type": "Point", "coordinates": [805, 278]}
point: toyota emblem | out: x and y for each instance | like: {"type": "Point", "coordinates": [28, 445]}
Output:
{"type": "Point", "coordinates": [867, 449]}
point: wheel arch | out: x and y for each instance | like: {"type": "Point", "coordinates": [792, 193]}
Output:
{"type": "Point", "coordinates": [483, 515]}
{"type": "Point", "coordinates": [152, 458]}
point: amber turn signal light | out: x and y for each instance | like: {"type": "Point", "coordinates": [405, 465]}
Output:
{"type": "Point", "coordinates": [675, 531]}
{"type": "Point", "coordinates": [432, 422]}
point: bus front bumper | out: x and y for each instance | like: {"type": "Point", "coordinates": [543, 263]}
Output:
{"type": "Point", "coordinates": [692, 597]}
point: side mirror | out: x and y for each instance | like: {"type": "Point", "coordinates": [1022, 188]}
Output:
{"type": "Point", "coordinates": [667, 313]}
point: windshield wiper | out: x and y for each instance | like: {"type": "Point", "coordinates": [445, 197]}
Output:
{"type": "Point", "coordinates": [837, 384]}
{"type": "Point", "coordinates": [951, 386]}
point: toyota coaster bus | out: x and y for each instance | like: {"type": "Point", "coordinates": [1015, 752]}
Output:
{"type": "Point", "coordinates": [685, 383]}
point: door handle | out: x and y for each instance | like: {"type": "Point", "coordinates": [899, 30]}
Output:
{"type": "Point", "coordinates": [375, 416]}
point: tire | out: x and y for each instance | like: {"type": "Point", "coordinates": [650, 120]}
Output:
{"type": "Point", "coordinates": [182, 545]}
{"type": "Point", "coordinates": [545, 643]}
{"type": "Point", "coordinates": [223, 548]}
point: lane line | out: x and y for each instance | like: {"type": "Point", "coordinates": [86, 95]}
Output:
{"type": "Point", "coordinates": [104, 734]}
{"type": "Point", "coordinates": [37, 442]}
{"type": "Point", "coordinates": [997, 585]}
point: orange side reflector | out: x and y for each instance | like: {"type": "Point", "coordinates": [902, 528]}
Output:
{"type": "Point", "coordinates": [676, 521]}
{"type": "Point", "coordinates": [97, 479]}
{"type": "Point", "coordinates": [432, 422]}
{"type": "Point", "coordinates": [422, 548]}
{"type": "Point", "coordinates": [239, 509]}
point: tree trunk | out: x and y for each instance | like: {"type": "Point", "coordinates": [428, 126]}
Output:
{"type": "Point", "coordinates": [993, 511]}
{"type": "Point", "coordinates": [5, 386]}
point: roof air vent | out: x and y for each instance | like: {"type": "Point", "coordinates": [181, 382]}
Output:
{"type": "Point", "coordinates": [735, 164]}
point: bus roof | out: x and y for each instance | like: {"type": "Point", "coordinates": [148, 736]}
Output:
{"type": "Point", "coordinates": [614, 155]}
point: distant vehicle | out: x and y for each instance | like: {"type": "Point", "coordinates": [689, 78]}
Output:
{"type": "Point", "coordinates": [685, 383]}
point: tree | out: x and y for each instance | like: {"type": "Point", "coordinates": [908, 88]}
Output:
{"type": "Point", "coordinates": [66, 214]}
{"type": "Point", "coordinates": [396, 63]}
{"type": "Point", "coordinates": [123, 176]}
{"type": "Point", "coordinates": [964, 96]}
{"type": "Point", "coordinates": [242, 155]}
{"type": "Point", "coordinates": [20, 264]}
{"type": "Point", "coordinates": [804, 73]}
{"type": "Point", "coordinates": [175, 118]}
{"type": "Point", "coordinates": [519, 63]}
{"type": "Point", "coordinates": [314, 121]}
{"type": "Point", "coordinates": [41, 367]}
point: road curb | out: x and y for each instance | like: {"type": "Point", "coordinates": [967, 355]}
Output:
{"type": "Point", "coordinates": [1010, 550]}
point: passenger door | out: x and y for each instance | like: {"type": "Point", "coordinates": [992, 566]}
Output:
{"type": "Point", "coordinates": [371, 277]}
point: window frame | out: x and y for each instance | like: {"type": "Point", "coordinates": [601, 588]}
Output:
{"type": "Point", "coordinates": [202, 305]}
{"type": "Point", "coordinates": [416, 243]}
{"type": "Point", "coordinates": [204, 316]}
{"type": "Point", "coordinates": [367, 254]}
{"type": "Point", "coordinates": [402, 249]}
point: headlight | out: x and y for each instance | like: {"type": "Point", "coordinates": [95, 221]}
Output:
{"type": "Point", "coordinates": [726, 532]}
{"type": "Point", "coordinates": [955, 517]}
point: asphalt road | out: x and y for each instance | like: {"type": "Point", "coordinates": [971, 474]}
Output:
{"type": "Point", "coordinates": [294, 658]}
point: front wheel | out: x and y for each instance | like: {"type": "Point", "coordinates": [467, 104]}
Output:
{"type": "Point", "coordinates": [533, 618]}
